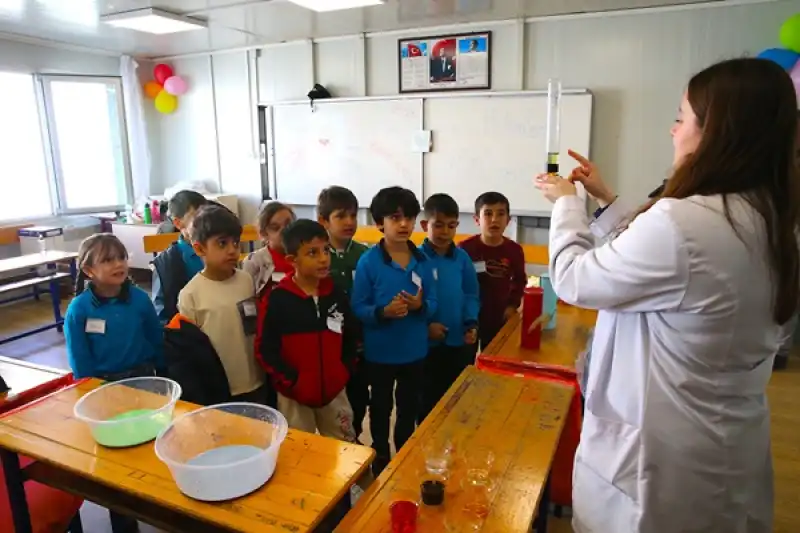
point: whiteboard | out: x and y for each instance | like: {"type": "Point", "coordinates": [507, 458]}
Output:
{"type": "Point", "coordinates": [497, 143]}
{"type": "Point", "coordinates": [362, 145]}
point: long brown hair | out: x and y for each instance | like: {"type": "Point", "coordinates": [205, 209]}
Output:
{"type": "Point", "coordinates": [746, 111]}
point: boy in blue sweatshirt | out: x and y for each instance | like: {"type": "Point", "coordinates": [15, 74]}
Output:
{"type": "Point", "coordinates": [111, 328]}
{"type": "Point", "coordinates": [454, 327]}
{"type": "Point", "coordinates": [394, 297]}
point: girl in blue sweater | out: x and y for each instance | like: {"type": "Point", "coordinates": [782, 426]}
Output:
{"type": "Point", "coordinates": [111, 328]}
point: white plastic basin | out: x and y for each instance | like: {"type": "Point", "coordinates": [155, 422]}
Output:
{"type": "Point", "coordinates": [222, 451]}
{"type": "Point", "coordinates": [130, 411]}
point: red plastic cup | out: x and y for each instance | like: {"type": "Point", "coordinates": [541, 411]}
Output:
{"type": "Point", "coordinates": [532, 308]}
{"type": "Point", "coordinates": [404, 516]}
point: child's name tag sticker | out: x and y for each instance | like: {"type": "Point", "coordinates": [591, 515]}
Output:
{"type": "Point", "coordinates": [480, 266]}
{"type": "Point", "coordinates": [335, 324]}
{"type": "Point", "coordinates": [96, 325]}
{"type": "Point", "coordinates": [278, 276]}
{"type": "Point", "coordinates": [416, 280]}
{"type": "Point", "coordinates": [249, 308]}
{"type": "Point", "coordinates": [354, 275]}
{"type": "Point", "coordinates": [436, 274]}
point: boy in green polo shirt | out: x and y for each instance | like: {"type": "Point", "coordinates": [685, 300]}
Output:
{"type": "Point", "coordinates": [337, 211]}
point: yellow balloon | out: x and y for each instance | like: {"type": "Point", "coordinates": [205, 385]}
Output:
{"type": "Point", "coordinates": [166, 103]}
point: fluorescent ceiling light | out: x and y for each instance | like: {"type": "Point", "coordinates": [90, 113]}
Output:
{"type": "Point", "coordinates": [151, 20]}
{"type": "Point", "coordinates": [333, 5]}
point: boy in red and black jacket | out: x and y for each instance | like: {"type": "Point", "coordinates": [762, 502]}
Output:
{"type": "Point", "coordinates": [310, 338]}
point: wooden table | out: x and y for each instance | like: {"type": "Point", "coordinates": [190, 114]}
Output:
{"type": "Point", "coordinates": [312, 475]}
{"type": "Point", "coordinates": [559, 346]}
{"type": "Point", "coordinates": [21, 376]}
{"type": "Point", "coordinates": [52, 278]}
{"type": "Point", "coordinates": [520, 420]}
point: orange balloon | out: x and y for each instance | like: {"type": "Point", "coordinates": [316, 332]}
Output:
{"type": "Point", "coordinates": [152, 88]}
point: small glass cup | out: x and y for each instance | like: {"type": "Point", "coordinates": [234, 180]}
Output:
{"type": "Point", "coordinates": [438, 455]}
{"type": "Point", "coordinates": [478, 483]}
{"type": "Point", "coordinates": [404, 516]}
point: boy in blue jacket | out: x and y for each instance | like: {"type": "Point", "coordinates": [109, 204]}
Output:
{"type": "Point", "coordinates": [454, 327]}
{"type": "Point", "coordinates": [394, 297]}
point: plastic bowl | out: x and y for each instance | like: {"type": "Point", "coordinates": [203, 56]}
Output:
{"type": "Point", "coordinates": [129, 412]}
{"type": "Point", "coordinates": [224, 451]}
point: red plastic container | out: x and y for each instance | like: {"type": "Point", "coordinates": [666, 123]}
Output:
{"type": "Point", "coordinates": [532, 307]}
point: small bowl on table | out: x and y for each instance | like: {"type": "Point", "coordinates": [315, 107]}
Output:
{"type": "Point", "coordinates": [129, 412]}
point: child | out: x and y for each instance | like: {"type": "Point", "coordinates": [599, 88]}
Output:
{"type": "Point", "coordinates": [394, 297]}
{"type": "Point", "coordinates": [221, 301]}
{"type": "Point", "coordinates": [111, 328]}
{"type": "Point", "coordinates": [268, 266]}
{"type": "Point", "coordinates": [499, 262]}
{"type": "Point", "coordinates": [310, 338]}
{"type": "Point", "coordinates": [175, 266]}
{"type": "Point", "coordinates": [337, 211]}
{"type": "Point", "coordinates": [454, 328]}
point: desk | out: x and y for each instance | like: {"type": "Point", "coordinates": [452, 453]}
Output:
{"type": "Point", "coordinates": [312, 475]}
{"type": "Point", "coordinates": [519, 419]}
{"type": "Point", "coordinates": [559, 346]}
{"type": "Point", "coordinates": [30, 262]}
{"type": "Point", "coordinates": [22, 377]}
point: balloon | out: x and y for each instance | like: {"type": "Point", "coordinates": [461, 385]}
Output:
{"type": "Point", "coordinates": [162, 72]}
{"type": "Point", "coordinates": [152, 88]}
{"type": "Point", "coordinates": [166, 103]}
{"type": "Point", "coordinates": [790, 33]}
{"type": "Point", "coordinates": [175, 85]}
{"type": "Point", "coordinates": [785, 58]}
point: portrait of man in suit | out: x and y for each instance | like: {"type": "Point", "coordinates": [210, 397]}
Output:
{"type": "Point", "coordinates": [443, 63]}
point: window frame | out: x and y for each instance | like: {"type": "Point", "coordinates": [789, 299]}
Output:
{"type": "Point", "coordinates": [49, 132]}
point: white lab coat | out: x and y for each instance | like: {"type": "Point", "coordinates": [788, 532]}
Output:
{"type": "Point", "coordinates": [676, 435]}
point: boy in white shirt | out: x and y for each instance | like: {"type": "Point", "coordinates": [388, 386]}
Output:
{"type": "Point", "coordinates": [221, 301]}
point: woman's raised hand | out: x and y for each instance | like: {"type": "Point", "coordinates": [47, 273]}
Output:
{"type": "Point", "coordinates": [588, 174]}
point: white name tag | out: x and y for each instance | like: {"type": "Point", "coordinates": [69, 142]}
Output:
{"type": "Point", "coordinates": [96, 325]}
{"type": "Point", "coordinates": [480, 266]}
{"type": "Point", "coordinates": [416, 280]}
{"type": "Point", "coordinates": [335, 325]}
{"type": "Point", "coordinates": [278, 276]}
{"type": "Point", "coordinates": [354, 274]}
{"type": "Point", "coordinates": [436, 274]}
{"type": "Point", "coordinates": [249, 309]}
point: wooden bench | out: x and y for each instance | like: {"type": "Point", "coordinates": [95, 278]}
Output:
{"type": "Point", "coordinates": [31, 263]}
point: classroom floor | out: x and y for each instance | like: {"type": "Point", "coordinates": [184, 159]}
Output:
{"type": "Point", "coordinates": [784, 395]}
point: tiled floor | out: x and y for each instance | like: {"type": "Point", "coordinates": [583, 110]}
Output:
{"type": "Point", "coordinates": [784, 394]}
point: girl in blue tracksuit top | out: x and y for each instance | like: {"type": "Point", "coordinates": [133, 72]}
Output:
{"type": "Point", "coordinates": [394, 297]}
{"type": "Point", "coordinates": [111, 327]}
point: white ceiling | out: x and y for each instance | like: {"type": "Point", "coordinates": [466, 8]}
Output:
{"type": "Point", "coordinates": [241, 23]}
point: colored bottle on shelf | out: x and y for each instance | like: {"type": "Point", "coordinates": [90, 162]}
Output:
{"type": "Point", "coordinates": [532, 318]}
{"type": "Point", "coordinates": [148, 215]}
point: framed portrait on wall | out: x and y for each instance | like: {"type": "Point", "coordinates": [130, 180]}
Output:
{"type": "Point", "coordinates": [445, 63]}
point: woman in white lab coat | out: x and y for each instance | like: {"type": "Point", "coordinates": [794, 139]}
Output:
{"type": "Point", "coordinates": [691, 297]}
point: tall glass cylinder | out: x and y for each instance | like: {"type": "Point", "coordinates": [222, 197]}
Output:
{"type": "Point", "coordinates": [553, 140]}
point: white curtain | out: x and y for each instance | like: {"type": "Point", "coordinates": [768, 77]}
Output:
{"type": "Point", "coordinates": [137, 129]}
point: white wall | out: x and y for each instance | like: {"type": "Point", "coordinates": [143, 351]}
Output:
{"type": "Point", "coordinates": [31, 58]}
{"type": "Point", "coordinates": [636, 64]}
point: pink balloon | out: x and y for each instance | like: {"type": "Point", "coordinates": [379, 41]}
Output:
{"type": "Point", "coordinates": [175, 85]}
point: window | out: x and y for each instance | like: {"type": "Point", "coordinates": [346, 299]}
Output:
{"type": "Point", "coordinates": [86, 127]}
{"type": "Point", "coordinates": [23, 163]}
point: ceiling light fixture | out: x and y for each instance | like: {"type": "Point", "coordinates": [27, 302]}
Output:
{"type": "Point", "coordinates": [333, 5]}
{"type": "Point", "coordinates": [153, 20]}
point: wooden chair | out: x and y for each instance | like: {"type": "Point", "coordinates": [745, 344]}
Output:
{"type": "Point", "coordinates": [153, 244]}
